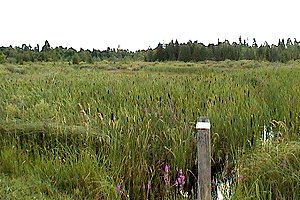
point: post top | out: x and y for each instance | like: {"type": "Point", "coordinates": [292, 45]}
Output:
{"type": "Point", "coordinates": [203, 123]}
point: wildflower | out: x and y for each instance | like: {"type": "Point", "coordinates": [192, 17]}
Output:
{"type": "Point", "coordinates": [166, 170]}
{"type": "Point", "coordinates": [119, 188]}
{"type": "Point", "coordinates": [180, 180]}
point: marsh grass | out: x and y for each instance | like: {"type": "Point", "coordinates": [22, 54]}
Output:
{"type": "Point", "coordinates": [271, 172]}
{"type": "Point", "coordinates": [86, 131]}
{"type": "Point", "coordinates": [65, 172]}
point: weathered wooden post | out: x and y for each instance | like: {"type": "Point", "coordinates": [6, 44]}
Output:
{"type": "Point", "coordinates": [204, 159]}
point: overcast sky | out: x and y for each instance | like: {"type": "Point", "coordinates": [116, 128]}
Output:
{"type": "Point", "coordinates": [138, 24]}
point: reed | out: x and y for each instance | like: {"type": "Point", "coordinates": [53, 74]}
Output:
{"type": "Point", "coordinates": [107, 133]}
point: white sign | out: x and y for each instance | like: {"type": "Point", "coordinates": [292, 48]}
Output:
{"type": "Point", "coordinates": [203, 125]}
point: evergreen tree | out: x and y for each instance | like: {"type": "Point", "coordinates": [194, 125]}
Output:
{"type": "Point", "coordinates": [184, 53]}
{"type": "Point", "coordinates": [274, 56]}
{"type": "Point", "coordinates": [37, 48]}
{"type": "Point", "coordinates": [176, 46]}
{"type": "Point", "coordinates": [171, 51]}
{"type": "Point", "coordinates": [199, 53]}
{"type": "Point", "coordinates": [150, 55]}
{"type": "Point", "coordinates": [160, 53]}
{"type": "Point", "coordinates": [46, 46]}
{"type": "Point", "coordinates": [254, 43]}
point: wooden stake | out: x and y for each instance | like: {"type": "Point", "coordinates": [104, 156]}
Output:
{"type": "Point", "coordinates": [204, 159]}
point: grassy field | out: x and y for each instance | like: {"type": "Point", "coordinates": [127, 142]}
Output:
{"type": "Point", "coordinates": [107, 130]}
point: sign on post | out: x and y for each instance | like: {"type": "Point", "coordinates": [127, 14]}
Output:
{"type": "Point", "coordinates": [204, 159]}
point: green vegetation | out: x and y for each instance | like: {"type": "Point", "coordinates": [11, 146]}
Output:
{"type": "Point", "coordinates": [105, 130]}
{"type": "Point", "coordinates": [284, 51]}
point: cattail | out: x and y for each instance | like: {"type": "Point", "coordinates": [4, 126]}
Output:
{"type": "Point", "coordinates": [112, 117]}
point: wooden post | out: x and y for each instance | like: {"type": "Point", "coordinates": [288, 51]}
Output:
{"type": "Point", "coordinates": [204, 159]}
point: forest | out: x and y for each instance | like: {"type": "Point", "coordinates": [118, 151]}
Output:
{"type": "Point", "coordinates": [284, 51]}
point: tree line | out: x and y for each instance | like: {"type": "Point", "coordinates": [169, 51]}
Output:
{"type": "Point", "coordinates": [195, 51]}
{"type": "Point", "coordinates": [46, 53]}
{"type": "Point", "coordinates": [190, 51]}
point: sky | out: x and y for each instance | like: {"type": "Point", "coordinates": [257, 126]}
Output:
{"type": "Point", "coordinates": [139, 24]}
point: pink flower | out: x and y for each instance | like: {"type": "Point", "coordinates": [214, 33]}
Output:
{"type": "Point", "coordinates": [180, 180]}
{"type": "Point", "coordinates": [119, 188]}
{"type": "Point", "coordinates": [166, 170]}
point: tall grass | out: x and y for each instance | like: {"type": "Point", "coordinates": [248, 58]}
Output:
{"type": "Point", "coordinates": [103, 133]}
{"type": "Point", "coordinates": [271, 172]}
